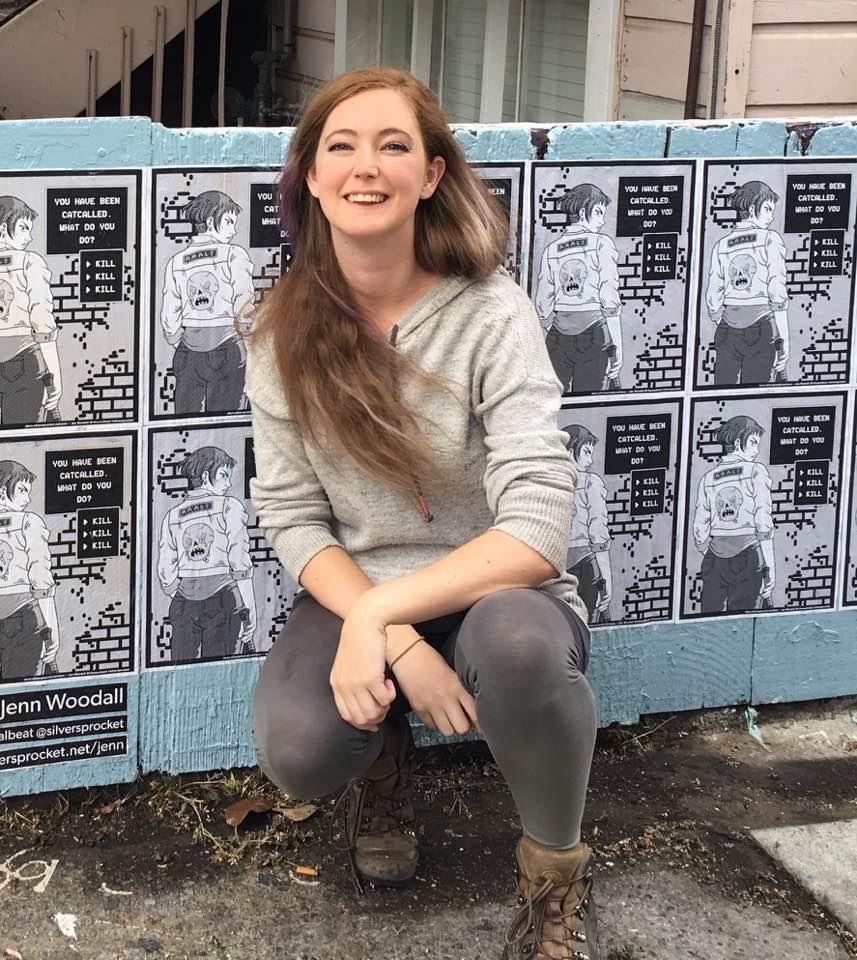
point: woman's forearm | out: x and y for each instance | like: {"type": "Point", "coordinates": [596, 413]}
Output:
{"type": "Point", "coordinates": [337, 582]}
{"type": "Point", "coordinates": [487, 564]}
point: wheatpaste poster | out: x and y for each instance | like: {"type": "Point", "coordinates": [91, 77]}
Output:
{"type": "Point", "coordinates": [505, 182]}
{"type": "Point", "coordinates": [609, 268]}
{"type": "Point", "coordinates": [217, 247]}
{"type": "Point", "coordinates": [776, 277]}
{"type": "Point", "coordinates": [216, 588]}
{"type": "Point", "coordinates": [69, 297]}
{"type": "Point", "coordinates": [67, 554]}
{"type": "Point", "coordinates": [622, 532]}
{"type": "Point", "coordinates": [762, 509]}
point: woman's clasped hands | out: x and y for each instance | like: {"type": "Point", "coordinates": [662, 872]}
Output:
{"type": "Point", "coordinates": [363, 694]}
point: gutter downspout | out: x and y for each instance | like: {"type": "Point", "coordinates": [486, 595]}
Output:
{"type": "Point", "coordinates": [694, 64]}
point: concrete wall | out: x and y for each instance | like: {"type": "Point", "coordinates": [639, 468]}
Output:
{"type": "Point", "coordinates": [197, 716]}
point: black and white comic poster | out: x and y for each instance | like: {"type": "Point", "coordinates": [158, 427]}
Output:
{"type": "Point", "coordinates": [762, 510]}
{"type": "Point", "coordinates": [67, 554]}
{"type": "Point", "coordinates": [505, 182]}
{"type": "Point", "coordinates": [849, 593]}
{"type": "Point", "coordinates": [609, 267]}
{"type": "Point", "coordinates": [69, 297]}
{"type": "Point", "coordinates": [624, 526]}
{"type": "Point", "coordinates": [217, 247]}
{"type": "Point", "coordinates": [216, 588]}
{"type": "Point", "coordinates": [776, 277]}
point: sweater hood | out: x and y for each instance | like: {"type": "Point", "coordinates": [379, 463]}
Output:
{"type": "Point", "coordinates": [426, 308]}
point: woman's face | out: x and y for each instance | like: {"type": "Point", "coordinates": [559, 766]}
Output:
{"type": "Point", "coordinates": [371, 168]}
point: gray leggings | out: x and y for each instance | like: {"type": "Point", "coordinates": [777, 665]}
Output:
{"type": "Point", "coordinates": [520, 653]}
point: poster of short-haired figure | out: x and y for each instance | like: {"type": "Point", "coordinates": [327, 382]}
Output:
{"type": "Point", "coordinates": [505, 182]}
{"type": "Point", "coordinates": [217, 247]}
{"type": "Point", "coordinates": [776, 277]}
{"type": "Point", "coordinates": [609, 269]}
{"type": "Point", "coordinates": [762, 509]}
{"type": "Point", "coordinates": [216, 588]}
{"type": "Point", "coordinates": [624, 525]}
{"type": "Point", "coordinates": [67, 554]}
{"type": "Point", "coordinates": [849, 591]}
{"type": "Point", "coordinates": [69, 297]}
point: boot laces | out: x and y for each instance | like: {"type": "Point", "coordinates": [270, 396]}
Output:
{"type": "Point", "coordinates": [526, 929]}
{"type": "Point", "coordinates": [364, 809]}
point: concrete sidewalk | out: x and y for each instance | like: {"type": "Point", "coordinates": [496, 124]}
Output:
{"type": "Point", "coordinates": [674, 805]}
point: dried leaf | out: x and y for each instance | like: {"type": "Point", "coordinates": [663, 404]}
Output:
{"type": "Point", "coordinates": [238, 812]}
{"type": "Point", "coordinates": [10, 953]}
{"type": "Point", "coordinates": [306, 871]}
{"type": "Point", "coordinates": [300, 813]}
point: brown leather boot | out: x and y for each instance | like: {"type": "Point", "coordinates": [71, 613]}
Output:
{"type": "Point", "coordinates": [379, 813]}
{"type": "Point", "coordinates": [556, 920]}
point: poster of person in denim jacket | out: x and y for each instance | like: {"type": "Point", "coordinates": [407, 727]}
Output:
{"type": "Point", "coordinates": [776, 277]}
{"type": "Point", "coordinates": [609, 265]}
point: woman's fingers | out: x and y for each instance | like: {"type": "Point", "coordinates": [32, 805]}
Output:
{"type": "Point", "coordinates": [469, 706]}
{"type": "Point", "coordinates": [458, 719]}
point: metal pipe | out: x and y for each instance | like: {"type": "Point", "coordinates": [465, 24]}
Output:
{"type": "Point", "coordinates": [91, 81]}
{"type": "Point", "coordinates": [221, 74]}
{"type": "Point", "coordinates": [694, 64]}
{"type": "Point", "coordinates": [187, 82]}
{"type": "Point", "coordinates": [716, 48]}
{"type": "Point", "coordinates": [125, 82]}
{"type": "Point", "coordinates": [158, 62]}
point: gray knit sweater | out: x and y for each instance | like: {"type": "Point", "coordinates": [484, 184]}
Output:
{"type": "Point", "coordinates": [497, 438]}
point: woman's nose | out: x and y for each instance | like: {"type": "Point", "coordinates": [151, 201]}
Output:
{"type": "Point", "coordinates": [366, 163]}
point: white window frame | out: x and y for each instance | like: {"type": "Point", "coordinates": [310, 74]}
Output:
{"type": "Point", "coordinates": [601, 80]}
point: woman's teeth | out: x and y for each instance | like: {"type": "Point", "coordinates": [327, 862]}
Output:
{"type": "Point", "coordinates": [366, 197]}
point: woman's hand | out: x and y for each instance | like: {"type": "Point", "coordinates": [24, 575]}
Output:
{"type": "Point", "coordinates": [435, 692]}
{"type": "Point", "coordinates": [360, 690]}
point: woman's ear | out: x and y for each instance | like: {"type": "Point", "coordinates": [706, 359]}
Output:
{"type": "Point", "coordinates": [434, 173]}
{"type": "Point", "coordinates": [312, 181]}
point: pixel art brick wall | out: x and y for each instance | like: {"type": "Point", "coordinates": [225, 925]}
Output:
{"type": "Point", "coordinates": [648, 595]}
{"type": "Point", "coordinates": [812, 585]}
{"type": "Point", "coordinates": [102, 641]}
{"type": "Point", "coordinates": [107, 393]}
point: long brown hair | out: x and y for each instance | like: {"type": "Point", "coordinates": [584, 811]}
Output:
{"type": "Point", "coordinates": [323, 347]}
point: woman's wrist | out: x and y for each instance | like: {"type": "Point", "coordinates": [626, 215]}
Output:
{"type": "Point", "coordinates": [400, 638]}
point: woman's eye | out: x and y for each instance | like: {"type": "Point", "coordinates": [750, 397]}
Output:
{"type": "Point", "coordinates": [396, 145]}
{"type": "Point", "coordinates": [339, 146]}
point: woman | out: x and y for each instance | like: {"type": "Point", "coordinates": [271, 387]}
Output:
{"type": "Point", "coordinates": [412, 478]}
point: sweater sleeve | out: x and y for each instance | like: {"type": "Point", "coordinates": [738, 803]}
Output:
{"type": "Point", "coordinates": [529, 478]}
{"type": "Point", "coordinates": [294, 512]}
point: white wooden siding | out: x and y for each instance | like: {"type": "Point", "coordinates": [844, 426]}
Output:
{"type": "Point", "coordinates": [554, 62]}
{"type": "Point", "coordinates": [312, 63]}
{"type": "Point", "coordinates": [779, 58]}
{"type": "Point", "coordinates": [462, 61]}
{"type": "Point", "coordinates": [654, 56]}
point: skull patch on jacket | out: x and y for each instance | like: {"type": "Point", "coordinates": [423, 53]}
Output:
{"type": "Point", "coordinates": [572, 276]}
{"type": "Point", "coordinates": [727, 503]}
{"type": "Point", "coordinates": [197, 540]}
{"type": "Point", "coordinates": [742, 270]}
{"type": "Point", "coordinates": [6, 555]}
{"type": "Point", "coordinates": [7, 295]}
{"type": "Point", "coordinates": [202, 289]}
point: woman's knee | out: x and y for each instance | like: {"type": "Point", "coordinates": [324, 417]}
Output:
{"type": "Point", "coordinates": [309, 760]}
{"type": "Point", "coordinates": [518, 633]}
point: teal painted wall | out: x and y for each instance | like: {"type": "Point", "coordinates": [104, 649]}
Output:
{"type": "Point", "coordinates": [197, 717]}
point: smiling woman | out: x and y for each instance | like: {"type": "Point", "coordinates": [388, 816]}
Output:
{"type": "Point", "coordinates": [411, 476]}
